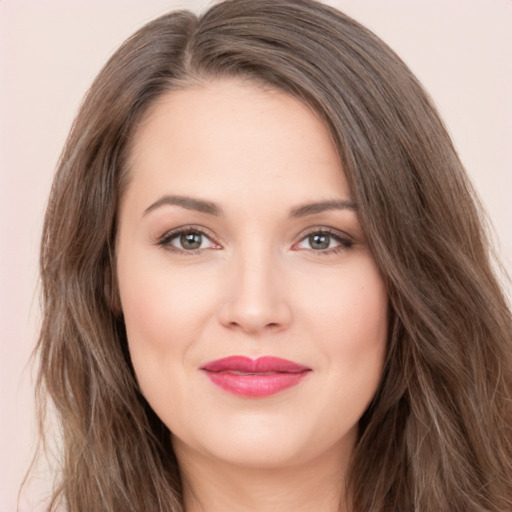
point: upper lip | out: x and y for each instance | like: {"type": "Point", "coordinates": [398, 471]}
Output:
{"type": "Point", "coordinates": [265, 364]}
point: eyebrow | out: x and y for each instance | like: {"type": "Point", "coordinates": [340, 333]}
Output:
{"type": "Point", "coordinates": [322, 206]}
{"type": "Point", "coordinates": [189, 203]}
{"type": "Point", "coordinates": [210, 208]}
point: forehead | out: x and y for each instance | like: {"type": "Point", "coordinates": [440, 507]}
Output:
{"type": "Point", "coordinates": [229, 139]}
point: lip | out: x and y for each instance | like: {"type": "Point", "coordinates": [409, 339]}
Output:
{"type": "Point", "coordinates": [254, 378]}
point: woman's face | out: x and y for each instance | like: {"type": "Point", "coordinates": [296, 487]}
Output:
{"type": "Point", "coordinates": [255, 314]}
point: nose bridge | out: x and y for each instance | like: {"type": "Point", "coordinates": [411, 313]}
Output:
{"type": "Point", "coordinates": [257, 297]}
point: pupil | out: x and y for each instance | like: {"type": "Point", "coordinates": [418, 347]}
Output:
{"type": "Point", "coordinates": [319, 241]}
{"type": "Point", "coordinates": [191, 240]}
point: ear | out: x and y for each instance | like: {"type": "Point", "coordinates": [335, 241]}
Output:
{"type": "Point", "coordinates": [111, 291]}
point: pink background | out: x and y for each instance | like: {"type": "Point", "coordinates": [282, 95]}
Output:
{"type": "Point", "coordinates": [50, 50]}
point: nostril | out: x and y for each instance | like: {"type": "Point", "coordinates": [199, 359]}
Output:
{"type": "Point", "coordinates": [253, 327]}
{"type": "Point", "coordinates": [267, 313]}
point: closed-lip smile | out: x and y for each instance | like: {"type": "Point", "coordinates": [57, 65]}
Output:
{"type": "Point", "coordinates": [252, 378]}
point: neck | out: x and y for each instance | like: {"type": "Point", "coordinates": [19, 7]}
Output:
{"type": "Point", "coordinates": [213, 486]}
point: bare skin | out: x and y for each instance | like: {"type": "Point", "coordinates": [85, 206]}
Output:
{"type": "Point", "coordinates": [238, 236]}
{"type": "Point", "coordinates": [317, 485]}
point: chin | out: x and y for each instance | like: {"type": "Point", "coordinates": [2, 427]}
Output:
{"type": "Point", "coordinates": [255, 441]}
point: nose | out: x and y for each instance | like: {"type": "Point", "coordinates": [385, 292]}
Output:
{"type": "Point", "coordinates": [256, 297]}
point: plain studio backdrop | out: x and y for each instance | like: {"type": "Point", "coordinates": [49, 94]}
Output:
{"type": "Point", "coordinates": [50, 51]}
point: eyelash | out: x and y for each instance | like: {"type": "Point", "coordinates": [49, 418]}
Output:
{"type": "Point", "coordinates": [165, 240]}
{"type": "Point", "coordinates": [345, 241]}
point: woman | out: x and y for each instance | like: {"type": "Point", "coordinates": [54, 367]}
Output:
{"type": "Point", "coordinates": [265, 281]}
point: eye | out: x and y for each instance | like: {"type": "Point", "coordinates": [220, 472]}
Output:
{"type": "Point", "coordinates": [324, 242]}
{"type": "Point", "coordinates": [187, 240]}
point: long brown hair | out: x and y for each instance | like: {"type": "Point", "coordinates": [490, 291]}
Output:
{"type": "Point", "coordinates": [438, 434]}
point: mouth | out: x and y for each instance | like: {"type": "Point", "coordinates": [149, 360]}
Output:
{"type": "Point", "coordinates": [254, 378]}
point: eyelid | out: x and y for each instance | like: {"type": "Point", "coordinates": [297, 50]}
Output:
{"type": "Point", "coordinates": [345, 239]}
{"type": "Point", "coordinates": [164, 240]}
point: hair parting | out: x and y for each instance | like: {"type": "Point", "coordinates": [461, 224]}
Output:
{"type": "Point", "coordinates": [438, 434]}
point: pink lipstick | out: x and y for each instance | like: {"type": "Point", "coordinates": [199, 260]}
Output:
{"type": "Point", "coordinates": [253, 378]}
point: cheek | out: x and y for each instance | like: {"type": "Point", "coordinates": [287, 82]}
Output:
{"type": "Point", "coordinates": [351, 303]}
{"type": "Point", "coordinates": [161, 304]}
{"type": "Point", "coordinates": [165, 311]}
{"type": "Point", "coordinates": [348, 316]}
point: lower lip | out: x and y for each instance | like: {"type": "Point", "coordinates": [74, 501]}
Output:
{"type": "Point", "coordinates": [255, 385]}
